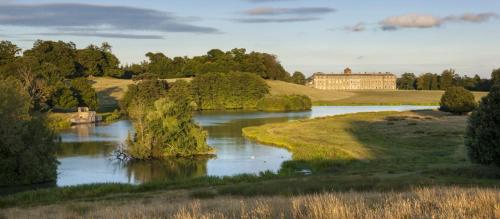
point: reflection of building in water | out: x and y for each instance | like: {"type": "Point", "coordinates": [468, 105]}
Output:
{"type": "Point", "coordinates": [85, 116]}
{"type": "Point", "coordinates": [84, 130]}
{"type": "Point", "coordinates": [349, 81]}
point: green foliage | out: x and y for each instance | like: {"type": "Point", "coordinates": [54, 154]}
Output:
{"type": "Point", "coordinates": [446, 79]}
{"type": "Point", "coordinates": [114, 116]}
{"type": "Point", "coordinates": [407, 81]}
{"type": "Point", "coordinates": [168, 130]}
{"type": "Point", "coordinates": [64, 98]}
{"type": "Point", "coordinates": [483, 132]}
{"type": "Point", "coordinates": [180, 89]}
{"type": "Point", "coordinates": [99, 61]}
{"type": "Point", "coordinates": [284, 103]}
{"type": "Point", "coordinates": [298, 78]}
{"type": "Point", "coordinates": [145, 91]}
{"type": "Point", "coordinates": [84, 92]}
{"type": "Point", "coordinates": [428, 81]}
{"type": "Point", "coordinates": [8, 52]}
{"type": "Point", "coordinates": [237, 60]}
{"type": "Point", "coordinates": [495, 76]}
{"type": "Point", "coordinates": [457, 100]}
{"type": "Point", "coordinates": [233, 90]}
{"type": "Point", "coordinates": [27, 149]}
{"type": "Point", "coordinates": [59, 54]}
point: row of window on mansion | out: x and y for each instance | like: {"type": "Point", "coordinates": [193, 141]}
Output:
{"type": "Point", "coordinates": [343, 83]}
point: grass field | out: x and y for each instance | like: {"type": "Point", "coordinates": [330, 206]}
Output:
{"type": "Point", "coordinates": [435, 202]}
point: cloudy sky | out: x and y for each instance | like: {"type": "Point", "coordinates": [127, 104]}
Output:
{"type": "Point", "coordinates": [307, 35]}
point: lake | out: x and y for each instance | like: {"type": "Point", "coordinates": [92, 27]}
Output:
{"type": "Point", "coordinates": [86, 153]}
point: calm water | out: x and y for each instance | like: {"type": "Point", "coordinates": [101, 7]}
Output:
{"type": "Point", "coordinates": [85, 155]}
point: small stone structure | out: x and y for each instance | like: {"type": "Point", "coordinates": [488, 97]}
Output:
{"type": "Point", "coordinates": [85, 116]}
{"type": "Point", "coordinates": [350, 81]}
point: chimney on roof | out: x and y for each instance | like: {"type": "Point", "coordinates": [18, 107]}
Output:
{"type": "Point", "coordinates": [347, 71]}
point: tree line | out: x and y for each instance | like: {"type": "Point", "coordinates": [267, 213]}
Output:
{"type": "Point", "coordinates": [448, 78]}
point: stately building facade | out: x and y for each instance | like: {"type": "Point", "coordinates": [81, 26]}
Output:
{"type": "Point", "coordinates": [349, 81]}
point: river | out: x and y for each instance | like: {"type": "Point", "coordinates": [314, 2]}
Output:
{"type": "Point", "coordinates": [85, 154]}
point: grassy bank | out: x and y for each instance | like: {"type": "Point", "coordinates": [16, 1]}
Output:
{"type": "Point", "coordinates": [382, 143]}
{"type": "Point", "coordinates": [435, 202]}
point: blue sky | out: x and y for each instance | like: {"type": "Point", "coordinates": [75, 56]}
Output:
{"type": "Point", "coordinates": [307, 35]}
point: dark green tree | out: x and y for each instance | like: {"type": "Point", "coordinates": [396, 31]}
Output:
{"type": "Point", "coordinates": [145, 92]}
{"type": "Point", "coordinates": [298, 78]}
{"type": "Point", "coordinates": [483, 131]}
{"type": "Point", "coordinates": [64, 98]}
{"type": "Point", "coordinates": [27, 148]}
{"type": "Point", "coordinates": [495, 77]}
{"type": "Point", "coordinates": [84, 93]}
{"type": "Point", "coordinates": [59, 54]}
{"type": "Point", "coordinates": [457, 100]}
{"type": "Point", "coordinates": [8, 52]}
{"type": "Point", "coordinates": [407, 81]}
{"type": "Point", "coordinates": [446, 79]}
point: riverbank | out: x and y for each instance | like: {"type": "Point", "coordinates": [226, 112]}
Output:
{"type": "Point", "coordinates": [435, 202]}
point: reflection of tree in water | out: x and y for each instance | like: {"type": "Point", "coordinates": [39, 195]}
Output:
{"type": "Point", "coordinates": [85, 149]}
{"type": "Point", "coordinates": [164, 170]}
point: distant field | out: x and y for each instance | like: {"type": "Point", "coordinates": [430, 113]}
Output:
{"type": "Point", "coordinates": [365, 97]}
{"type": "Point", "coordinates": [110, 90]}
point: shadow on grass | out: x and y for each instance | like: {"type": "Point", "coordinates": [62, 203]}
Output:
{"type": "Point", "coordinates": [107, 102]}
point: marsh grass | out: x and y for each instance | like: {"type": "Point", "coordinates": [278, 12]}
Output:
{"type": "Point", "coordinates": [434, 202]}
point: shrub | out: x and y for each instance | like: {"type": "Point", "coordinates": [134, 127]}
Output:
{"type": "Point", "coordinates": [284, 103]}
{"type": "Point", "coordinates": [457, 100]}
{"type": "Point", "coordinates": [483, 131]}
{"type": "Point", "coordinates": [27, 148]}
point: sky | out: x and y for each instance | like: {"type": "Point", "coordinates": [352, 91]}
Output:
{"type": "Point", "coordinates": [307, 35]}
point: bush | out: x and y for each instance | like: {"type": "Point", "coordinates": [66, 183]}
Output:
{"type": "Point", "coordinates": [27, 148]}
{"type": "Point", "coordinates": [483, 132]}
{"type": "Point", "coordinates": [284, 103]}
{"type": "Point", "coordinates": [457, 100]}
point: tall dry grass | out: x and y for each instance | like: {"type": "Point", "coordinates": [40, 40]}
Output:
{"type": "Point", "coordinates": [438, 202]}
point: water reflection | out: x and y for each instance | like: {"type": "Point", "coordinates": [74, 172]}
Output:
{"type": "Point", "coordinates": [85, 154]}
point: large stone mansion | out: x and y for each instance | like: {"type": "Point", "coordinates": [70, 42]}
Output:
{"type": "Point", "coordinates": [349, 81]}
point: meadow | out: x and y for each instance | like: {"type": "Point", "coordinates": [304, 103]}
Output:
{"type": "Point", "coordinates": [434, 202]}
